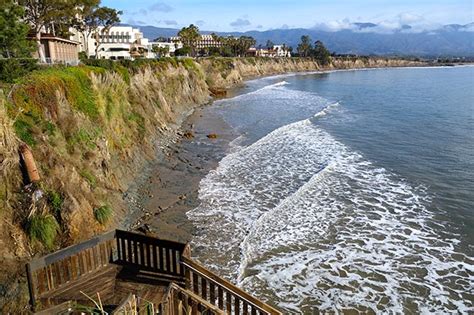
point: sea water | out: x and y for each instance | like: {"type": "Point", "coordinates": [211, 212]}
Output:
{"type": "Point", "coordinates": [346, 190]}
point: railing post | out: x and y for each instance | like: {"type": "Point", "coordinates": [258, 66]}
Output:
{"type": "Point", "coordinates": [31, 286]}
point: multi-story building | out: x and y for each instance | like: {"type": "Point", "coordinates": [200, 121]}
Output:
{"type": "Point", "coordinates": [58, 50]}
{"type": "Point", "coordinates": [116, 42]}
{"type": "Point", "coordinates": [205, 41]}
{"type": "Point", "coordinates": [275, 51]}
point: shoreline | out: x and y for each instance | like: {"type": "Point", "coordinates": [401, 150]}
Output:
{"type": "Point", "coordinates": [168, 187]}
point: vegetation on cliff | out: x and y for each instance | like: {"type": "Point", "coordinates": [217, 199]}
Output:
{"type": "Point", "coordinates": [91, 128]}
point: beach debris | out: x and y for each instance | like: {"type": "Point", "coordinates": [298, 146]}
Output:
{"type": "Point", "coordinates": [29, 163]}
{"type": "Point", "coordinates": [212, 136]}
{"type": "Point", "coordinates": [145, 229]}
{"type": "Point", "coordinates": [217, 92]}
{"type": "Point", "coordinates": [188, 134]}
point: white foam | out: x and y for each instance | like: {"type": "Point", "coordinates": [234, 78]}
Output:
{"type": "Point", "coordinates": [326, 110]}
{"type": "Point", "coordinates": [300, 219]}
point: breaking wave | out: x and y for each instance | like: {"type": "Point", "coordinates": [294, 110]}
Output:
{"type": "Point", "coordinates": [300, 219]}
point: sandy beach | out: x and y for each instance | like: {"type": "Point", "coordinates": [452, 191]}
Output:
{"type": "Point", "coordinates": [168, 187]}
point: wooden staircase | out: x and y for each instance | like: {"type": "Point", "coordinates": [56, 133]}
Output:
{"type": "Point", "coordinates": [130, 273]}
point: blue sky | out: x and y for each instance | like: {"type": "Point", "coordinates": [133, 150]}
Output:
{"type": "Point", "coordinates": [223, 15]}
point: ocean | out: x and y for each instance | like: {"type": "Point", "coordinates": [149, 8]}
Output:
{"type": "Point", "coordinates": [346, 191]}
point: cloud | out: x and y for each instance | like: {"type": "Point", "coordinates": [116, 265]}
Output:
{"type": "Point", "coordinates": [240, 23]}
{"type": "Point", "coordinates": [403, 22]}
{"type": "Point", "coordinates": [259, 26]}
{"type": "Point", "coordinates": [135, 22]}
{"type": "Point", "coordinates": [284, 27]}
{"type": "Point", "coordinates": [200, 23]}
{"type": "Point", "coordinates": [167, 22]}
{"type": "Point", "coordinates": [161, 7]}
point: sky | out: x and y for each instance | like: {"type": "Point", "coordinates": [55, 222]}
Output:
{"type": "Point", "coordinates": [224, 15]}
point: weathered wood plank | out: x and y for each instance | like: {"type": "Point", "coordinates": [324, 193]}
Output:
{"type": "Point", "coordinates": [168, 259]}
{"type": "Point", "coordinates": [204, 288]}
{"type": "Point", "coordinates": [228, 302]}
{"type": "Point", "coordinates": [155, 257]}
{"type": "Point", "coordinates": [212, 293]}
{"type": "Point", "coordinates": [149, 263]}
{"type": "Point", "coordinates": [160, 254]}
{"type": "Point", "coordinates": [195, 283]}
{"type": "Point", "coordinates": [220, 297]}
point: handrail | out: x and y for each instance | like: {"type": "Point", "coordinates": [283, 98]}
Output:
{"type": "Point", "coordinates": [186, 296]}
{"type": "Point", "coordinates": [149, 254]}
{"type": "Point", "coordinates": [126, 303]}
{"type": "Point", "coordinates": [54, 270]}
{"type": "Point", "coordinates": [44, 261]}
{"type": "Point", "coordinates": [239, 293]}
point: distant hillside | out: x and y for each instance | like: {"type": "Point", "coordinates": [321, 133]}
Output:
{"type": "Point", "coordinates": [450, 40]}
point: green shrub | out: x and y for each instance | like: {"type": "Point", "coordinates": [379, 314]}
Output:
{"type": "Point", "coordinates": [14, 68]}
{"type": "Point", "coordinates": [89, 177]}
{"type": "Point", "coordinates": [103, 214]}
{"type": "Point", "coordinates": [56, 201]}
{"type": "Point", "coordinates": [24, 131]}
{"type": "Point", "coordinates": [43, 228]}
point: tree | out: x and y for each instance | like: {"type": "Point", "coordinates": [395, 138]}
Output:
{"type": "Point", "coordinates": [161, 39]}
{"type": "Point", "coordinates": [244, 43]}
{"type": "Point", "coordinates": [304, 47]}
{"type": "Point", "coordinates": [40, 14]}
{"type": "Point", "coordinates": [13, 32]}
{"type": "Point", "coordinates": [321, 53]}
{"type": "Point", "coordinates": [93, 20]}
{"type": "Point", "coordinates": [160, 51]}
{"type": "Point", "coordinates": [270, 44]}
{"type": "Point", "coordinates": [189, 37]}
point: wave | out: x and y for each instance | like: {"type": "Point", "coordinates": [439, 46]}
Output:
{"type": "Point", "coordinates": [326, 110]}
{"type": "Point", "coordinates": [256, 92]}
{"type": "Point", "coordinates": [300, 219]}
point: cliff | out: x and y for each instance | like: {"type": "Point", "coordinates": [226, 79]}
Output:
{"type": "Point", "coordinates": [91, 130]}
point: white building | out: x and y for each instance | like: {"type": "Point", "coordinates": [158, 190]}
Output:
{"type": "Point", "coordinates": [117, 42]}
{"type": "Point", "coordinates": [281, 51]}
{"type": "Point", "coordinates": [204, 41]}
{"type": "Point", "coordinates": [170, 46]}
{"type": "Point", "coordinates": [274, 52]}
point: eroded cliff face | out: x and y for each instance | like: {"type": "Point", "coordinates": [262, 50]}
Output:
{"type": "Point", "coordinates": [91, 130]}
{"type": "Point", "coordinates": [222, 73]}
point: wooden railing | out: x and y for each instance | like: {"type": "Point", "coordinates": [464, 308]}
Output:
{"type": "Point", "coordinates": [150, 254]}
{"type": "Point", "coordinates": [221, 293]}
{"type": "Point", "coordinates": [56, 270]}
{"type": "Point", "coordinates": [127, 306]}
{"type": "Point", "coordinates": [169, 261]}
{"type": "Point", "coordinates": [179, 301]}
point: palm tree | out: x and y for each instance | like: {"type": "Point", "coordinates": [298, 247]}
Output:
{"type": "Point", "coordinates": [189, 37]}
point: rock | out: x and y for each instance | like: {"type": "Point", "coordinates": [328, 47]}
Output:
{"type": "Point", "coordinates": [212, 136]}
{"type": "Point", "coordinates": [188, 135]}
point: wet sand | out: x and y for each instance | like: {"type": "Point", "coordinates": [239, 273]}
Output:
{"type": "Point", "coordinates": [169, 186]}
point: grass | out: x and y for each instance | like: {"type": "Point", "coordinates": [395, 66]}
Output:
{"type": "Point", "coordinates": [43, 228]}
{"type": "Point", "coordinates": [84, 138]}
{"type": "Point", "coordinates": [140, 123]}
{"type": "Point", "coordinates": [103, 214]}
{"type": "Point", "coordinates": [24, 131]}
{"type": "Point", "coordinates": [56, 201]}
{"type": "Point", "coordinates": [89, 177]}
{"type": "Point", "coordinates": [38, 90]}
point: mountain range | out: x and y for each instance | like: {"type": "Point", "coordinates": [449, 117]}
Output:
{"type": "Point", "coordinates": [363, 39]}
